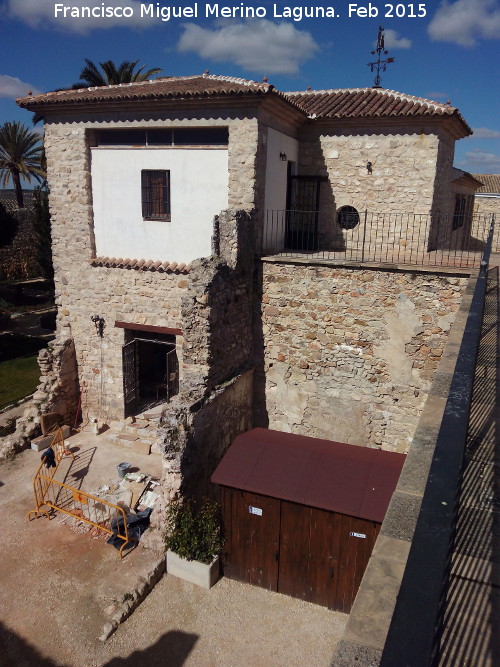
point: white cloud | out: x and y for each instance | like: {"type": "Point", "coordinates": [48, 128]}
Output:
{"type": "Point", "coordinates": [485, 133]}
{"type": "Point", "coordinates": [393, 41]}
{"type": "Point", "coordinates": [42, 14]}
{"type": "Point", "coordinates": [257, 46]}
{"type": "Point", "coordinates": [11, 86]}
{"type": "Point", "coordinates": [465, 21]}
{"type": "Point", "coordinates": [479, 162]}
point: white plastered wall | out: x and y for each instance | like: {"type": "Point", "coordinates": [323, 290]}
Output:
{"type": "Point", "coordinates": [198, 187]}
{"type": "Point", "coordinates": [276, 186]}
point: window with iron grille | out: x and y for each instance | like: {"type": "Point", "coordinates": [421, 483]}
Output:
{"type": "Point", "coordinates": [463, 210]}
{"type": "Point", "coordinates": [155, 194]}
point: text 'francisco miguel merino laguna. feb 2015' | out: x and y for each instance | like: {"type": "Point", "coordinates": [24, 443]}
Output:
{"type": "Point", "coordinates": [149, 11]}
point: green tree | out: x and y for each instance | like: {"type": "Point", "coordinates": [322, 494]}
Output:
{"type": "Point", "coordinates": [41, 225]}
{"type": "Point", "coordinates": [91, 76]}
{"type": "Point", "coordinates": [20, 155]}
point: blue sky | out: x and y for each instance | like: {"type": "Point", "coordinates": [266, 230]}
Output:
{"type": "Point", "coordinates": [451, 53]}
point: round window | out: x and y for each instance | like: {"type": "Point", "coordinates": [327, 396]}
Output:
{"type": "Point", "coordinates": [347, 217]}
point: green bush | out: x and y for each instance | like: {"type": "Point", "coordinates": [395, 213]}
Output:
{"type": "Point", "coordinates": [194, 529]}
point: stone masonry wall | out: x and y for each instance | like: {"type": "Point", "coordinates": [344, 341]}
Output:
{"type": "Point", "coordinates": [409, 174]}
{"type": "Point", "coordinates": [350, 354]}
{"type": "Point", "coordinates": [486, 207]}
{"type": "Point", "coordinates": [116, 294]}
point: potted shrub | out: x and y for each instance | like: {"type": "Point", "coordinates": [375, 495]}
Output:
{"type": "Point", "coordinates": [194, 541]}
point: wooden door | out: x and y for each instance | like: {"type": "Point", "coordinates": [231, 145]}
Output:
{"type": "Point", "coordinates": [323, 555]}
{"type": "Point", "coordinates": [309, 553]}
{"type": "Point", "coordinates": [252, 528]}
{"type": "Point", "coordinates": [357, 539]}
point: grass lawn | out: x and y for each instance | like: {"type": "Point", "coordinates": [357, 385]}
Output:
{"type": "Point", "coordinates": [18, 378]}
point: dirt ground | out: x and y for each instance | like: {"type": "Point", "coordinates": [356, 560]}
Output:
{"type": "Point", "coordinates": [54, 585]}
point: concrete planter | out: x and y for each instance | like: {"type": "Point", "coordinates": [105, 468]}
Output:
{"type": "Point", "coordinates": [201, 574]}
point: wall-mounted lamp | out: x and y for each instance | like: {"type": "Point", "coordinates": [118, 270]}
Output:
{"type": "Point", "coordinates": [99, 324]}
{"type": "Point", "coordinates": [369, 167]}
{"type": "Point", "coordinates": [283, 157]}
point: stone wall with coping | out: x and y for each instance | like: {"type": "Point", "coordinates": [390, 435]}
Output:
{"type": "Point", "coordinates": [350, 354]}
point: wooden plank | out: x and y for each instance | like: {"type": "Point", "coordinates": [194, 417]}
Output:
{"type": "Point", "coordinates": [148, 327]}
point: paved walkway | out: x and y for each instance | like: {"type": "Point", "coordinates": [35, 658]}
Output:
{"type": "Point", "coordinates": [472, 617]}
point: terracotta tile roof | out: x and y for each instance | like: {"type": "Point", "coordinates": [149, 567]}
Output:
{"type": "Point", "coordinates": [341, 103]}
{"type": "Point", "coordinates": [140, 264]}
{"type": "Point", "coordinates": [491, 183]}
{"type": "Point", "coordinates": [368, 103]}
{"type": "Point", "coordinates": [206, 85]}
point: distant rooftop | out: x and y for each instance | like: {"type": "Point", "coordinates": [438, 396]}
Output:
{"type": "Point", "coordinates": [491, 183]}
{"type": "Point", "coordinates": [8, 199]}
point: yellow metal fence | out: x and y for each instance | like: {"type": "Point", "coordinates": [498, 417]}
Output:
{"type": "Point", "coordinates": [50, 494]}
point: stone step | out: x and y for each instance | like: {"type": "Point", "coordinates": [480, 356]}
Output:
{"type": "Point", "coordinates": [126, 438]}
{"type": "Point", "coordinates": [115, 425]}
{"type": "Point", "coordinates": [156, 448]}
{"type": "Point", "coordinates": [153, 413]}
{"type": "Point", "coordinates": [148, 431]}
{"type": "Point", "coordinates": [142, 447]}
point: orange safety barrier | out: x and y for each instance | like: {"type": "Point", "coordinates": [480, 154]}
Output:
{"type": "Point", "coordinates": [40, 486]}
{"type": "Point", "coordinates": [55, 495]}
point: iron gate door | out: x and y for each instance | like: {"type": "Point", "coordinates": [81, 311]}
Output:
{"type": "Point", "coordinates": [302, 218]}
{"type": "Point", "coordinates": [172, 374]}
{"type": "Point", "coordinates": [130, 376]}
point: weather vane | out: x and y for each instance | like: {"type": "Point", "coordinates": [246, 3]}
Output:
{"type": "Point", "coordinates": [380, 65]}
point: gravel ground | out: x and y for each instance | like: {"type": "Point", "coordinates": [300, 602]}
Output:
{"type": "Point", "coordinates": [54, 585]}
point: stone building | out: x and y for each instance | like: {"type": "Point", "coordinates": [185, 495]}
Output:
{"type": "Point", "coordinates": [162, 195]}
{"type": "Point", "coordinates": [487, 201]}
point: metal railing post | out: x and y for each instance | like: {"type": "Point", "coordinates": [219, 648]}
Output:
{"type": "Point", "coordinates": [364, 237]}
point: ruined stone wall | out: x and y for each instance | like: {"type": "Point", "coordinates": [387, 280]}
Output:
{"type": "Point", "coordinates": [195, 432]}
{"type": "Point", "coordinates": [217, 308]}
{"type": "Point", "coordinates": [407, 176]}
{"type": "Point", "coordinates": [349, 355]}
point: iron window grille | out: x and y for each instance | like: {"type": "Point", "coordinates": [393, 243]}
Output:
{"type": "Point", "coordinates": [155, 194]}
{"type": "Point", "coordinates": [463, 210]}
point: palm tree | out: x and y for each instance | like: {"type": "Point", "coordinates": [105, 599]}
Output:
{"type": "Point", "coordinates": [111, 74]}
{"type": "Point", "coordinates": [20, 155]}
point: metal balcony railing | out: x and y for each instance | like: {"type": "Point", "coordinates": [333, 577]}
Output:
{"type": "Point", "coordinates": [385, 238]}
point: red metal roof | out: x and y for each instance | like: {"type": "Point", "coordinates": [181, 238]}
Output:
{"type": "Point", "coordinates": [335, 476]}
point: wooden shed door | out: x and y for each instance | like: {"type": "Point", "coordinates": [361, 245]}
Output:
{"type": "Point", "coordinates": [323, 555]}
{"type": "Point", "coordinates": [357, 540]}
{"type": "Point", "coordinates": [309, 554]}
{"type": "Point", "coordinates": [252, 529]}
